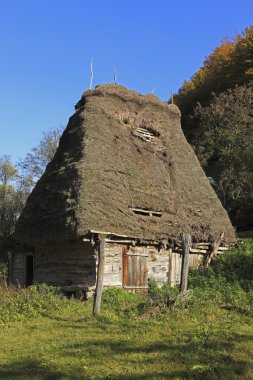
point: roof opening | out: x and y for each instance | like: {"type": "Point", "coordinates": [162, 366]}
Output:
{"type": "Point", "coordinates": [146, 212]}
{"type": "Point", "coordinates": [146, 133]}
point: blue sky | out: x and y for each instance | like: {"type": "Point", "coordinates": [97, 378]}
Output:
{"type": "Point", "coordinates": [46, 48]}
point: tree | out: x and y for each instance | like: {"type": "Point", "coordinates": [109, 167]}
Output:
{"type": "Point", "coordinates": [224, 144]}
{"type": "Point", "coordinates": [35, 162]}
{"type": "Point", "coordinates": [230, 64]}
{"type": "Point", "coordinates": [13, 194]}
{"type": "Point", "coordinates": [16, 183]}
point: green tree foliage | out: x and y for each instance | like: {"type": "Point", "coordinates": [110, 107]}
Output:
{"type": "Point", "coordinates": [215, 120]}
{"type": "Point", "coordinates": [35, 162]}
{"type": "Point", "coordinates": [13, 194]}
{"type": "Point", "coordinates": [16, 183]}
{"type": "Point", "coordinates": [224, 144]}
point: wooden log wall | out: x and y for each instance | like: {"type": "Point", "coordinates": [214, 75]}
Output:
{"type": "Point", "coordinates": [163, 265]}
{"type": "Point", "coordinates": [73, 264]}
{"type": "Point", "coordinates": [17, 269]}
{"type": "Point", "coordinates": [158, 265]}
{"type": "Point", "coordinates": [113, 265]}
{"type": "Point", "coordinates": [65, 264]}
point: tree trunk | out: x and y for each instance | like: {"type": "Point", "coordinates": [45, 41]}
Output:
{"type": "Point", "coordinates": [186, 244]}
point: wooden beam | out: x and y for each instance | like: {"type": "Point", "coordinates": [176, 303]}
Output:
{"type": "Point", "coordinates": [186, 244]}
{"type": "Point", "coordinates": [106, 233]}
{"type": "Point", "coordinates": [100, 276]}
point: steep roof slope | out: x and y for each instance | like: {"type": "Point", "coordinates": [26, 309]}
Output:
{"type": "Point", "coordinates": [123, 151]}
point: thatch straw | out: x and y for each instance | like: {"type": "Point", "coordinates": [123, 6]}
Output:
{"type": "Point", "coordinates": [103, 167]}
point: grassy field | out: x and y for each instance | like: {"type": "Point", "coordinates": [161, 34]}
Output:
{"type": "Point", "coordinates": [208, 335]}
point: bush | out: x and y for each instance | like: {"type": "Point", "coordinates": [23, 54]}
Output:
{"type": "Point", "coordinates": [229, 280]}
{"type": "Point", "coordinates": [163, 296]}
{"type": "Point", "coordinates": [122, 303]}
{"type": "Point", "coordinates": [22, 304]}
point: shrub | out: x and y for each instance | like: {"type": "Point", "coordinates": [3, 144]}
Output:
{"type": "Point", "coordinates": [228, 280]}
{"type": "Point", "coordinates": [22, 304]}
{"type": "Point", "coordinates": [163, 296]}
{"type": "Point", "coordinates": [122, 303]}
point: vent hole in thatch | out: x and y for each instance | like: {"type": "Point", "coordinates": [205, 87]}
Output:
{"type": "Point", "coordinates": [146, 133]}
{"type": "Point", "coordinates": [146, 212]}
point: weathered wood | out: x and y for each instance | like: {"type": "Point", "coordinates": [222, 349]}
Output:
{"type": "Point", "coordinates": [118, 241]}
{"type": "Point", "coordinates": [65, 264]}
{"type": "Point", "coordinates": [106, 233]}
{"type": "Point", "coordinates": [202, 250]}
{"type": "Point", "coordinates": [100, 277]}
{"type": "Point", "coordinates": [186, 244]}
{"type": "Point", "coordinates": [135, 272]}
{"type": "Point", "coordinates": [214, 250]}
{"type": "Point", "coordinates": [146, 212]}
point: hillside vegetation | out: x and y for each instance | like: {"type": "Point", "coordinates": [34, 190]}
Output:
{"type": "Point", "coordinates": [217, 111]}
{"type": "Point", "coordinates": [206, 335]}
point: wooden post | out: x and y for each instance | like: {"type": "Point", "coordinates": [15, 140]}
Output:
{"type": "Point", "coordinates": [186, 244]}
{"type": "Point", "coordinates": [100, 276]}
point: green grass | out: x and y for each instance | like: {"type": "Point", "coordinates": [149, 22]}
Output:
{"type": "Point", "coordinates": [208, 335]}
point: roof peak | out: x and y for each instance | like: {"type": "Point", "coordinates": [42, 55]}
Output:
{"type": "Point", "coordinates": [123, 92]}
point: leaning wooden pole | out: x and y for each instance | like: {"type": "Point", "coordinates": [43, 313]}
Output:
{"type": "Point", "coordinates": [100, 277]}
{"type": "Point", "coordinates": [186, 245]}
{"type": "Point", "coordinates": [213, 252]}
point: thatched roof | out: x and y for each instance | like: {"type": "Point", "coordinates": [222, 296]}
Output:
{"type": "Point", "coordinates": [123, 151]}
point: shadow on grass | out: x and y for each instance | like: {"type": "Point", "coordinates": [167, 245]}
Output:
{"type": "Point", "coordinates": [205, 357]}
{"type": "Point", "coordinates": [209, 358]}
{"type": "Point", "coordinates": [29, 369]}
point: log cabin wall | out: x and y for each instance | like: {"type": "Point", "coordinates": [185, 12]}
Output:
{"type": "Point", "coordinates": [73, 263]}
{"type": "Point", "coordinates": [158, 265]}
{"type": "Point", "coordinates": [163, 265]}
{"type": "Point", "coordinates": [65, 264]}
{"type": "Point", "coordinates": [17, 269]}
{"type": "Point", "coordinates": [113, 265]}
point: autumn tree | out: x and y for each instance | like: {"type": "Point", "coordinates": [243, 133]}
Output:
{"type": "Point", "coordinates": [224, 144]}
{"type": "Point", "coordinates": [230, 64]}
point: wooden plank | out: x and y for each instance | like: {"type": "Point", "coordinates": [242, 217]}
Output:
{"type": "Point", "coordinates": [136, 254]}
{"type": "Point", "coordinates": [138, 272]}
{"type": "Point", "coordinates": [146, 212]}
{"type": "Point", "coordinates": [145, 272]}
{"type": "Point", "coordinates": [141, 271]}
{"type": "Point", "coordinates": [134, 267]}
{"type": "Point", "coordinates": [105, 233]}
{"type": "Point", "coordinates": [125, 270]}
{"type": "Point", "coordinates": [136, 287]}
{"type": "Point", "coordinates": [130, 271]}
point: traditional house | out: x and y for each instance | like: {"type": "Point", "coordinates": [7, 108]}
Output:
{"type": "Point", "coordinates": [124, 174]}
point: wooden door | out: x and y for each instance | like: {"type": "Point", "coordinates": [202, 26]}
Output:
{"type": "Point", "coordinates": [135, 272]}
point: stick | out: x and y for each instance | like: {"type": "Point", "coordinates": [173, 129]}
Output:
{"type": "Point", "coordinates": [114, 76]}
{"type": "Point", "coordinates": [214, 250]}
{"type": "Point", "coordinates": [100, 277]}
{"type": "Point", "coordinates": [91, 73]}
{"type": "Point", "coordinates": [186, 244]}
